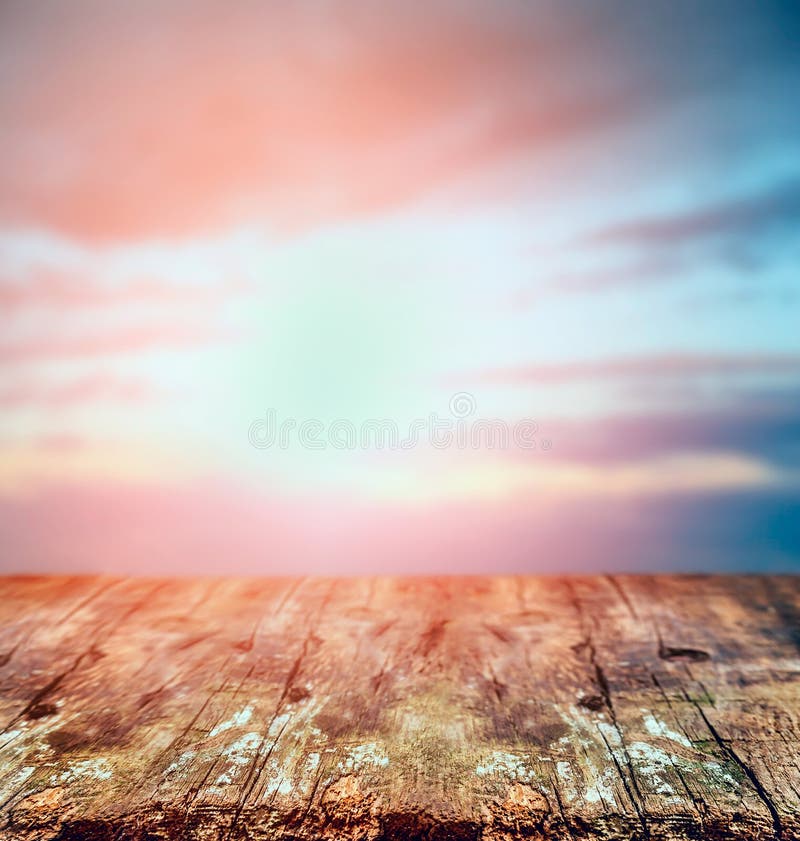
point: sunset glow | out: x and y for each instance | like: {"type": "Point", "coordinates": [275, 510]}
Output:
{"type": "Point", "coordinates": [583, 216]}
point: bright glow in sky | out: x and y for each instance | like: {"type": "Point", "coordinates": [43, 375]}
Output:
{"type": "Point", "coordinates": [587, 215]}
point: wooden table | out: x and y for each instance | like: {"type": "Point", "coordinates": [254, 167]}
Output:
{"type": "Point", "coordinates": [473, 708]}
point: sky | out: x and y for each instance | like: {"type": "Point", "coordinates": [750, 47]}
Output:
{"type": "Point", "coordinates": [239, 243]}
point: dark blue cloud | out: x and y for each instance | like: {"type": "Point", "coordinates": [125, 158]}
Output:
{"type": "Point", "coordinates": [760, 425]}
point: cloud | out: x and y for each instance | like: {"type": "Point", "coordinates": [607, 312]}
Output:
{"type": "Point", "coordinates": [738, 217]}
{"type": "Point", "coordinates": [57, 289]}
{"type": "Point", "coordinates": [128, 340]}
{"type": "Point", "coordinates": [124, 121]}
{"type": "Point", "coordinates": [89, 389]}
{"type": "Point", "coordinates": [653, 269]}
{"type": "Point", "coordinates": [160, 118]}
{"type": "Point", "coordinates": [759, 426]}
{"type": "Point", "coordinates": [661, 366]}
{"type": "Point", "coordinates": [746, 236]}
{"type": "Point", "coordinates": [60, 443]}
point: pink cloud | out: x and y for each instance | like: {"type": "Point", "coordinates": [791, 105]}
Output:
{"type": "Point", "coordinates": [60, 290]}
{"type": "Point", "coordinates": [648, 271]}
{"type": "Point", "coordinates": [139, 120]}
{"type": "Point", "coordinates": [760, 425]}
{"type": "Point", "coordinates": [89, 389]}
{"type": "Point", "coordinates": [131, 340]}
{"type": "Point", "coordinates": [60, 443]}
{"type": "Point", "coordinates": [739, 217]}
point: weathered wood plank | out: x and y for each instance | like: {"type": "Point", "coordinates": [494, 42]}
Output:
{"type": "Point", "coordinates": [478, 708]}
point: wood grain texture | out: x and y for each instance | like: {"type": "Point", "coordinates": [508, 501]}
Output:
{"type": "Point", "coordinates": [480, 708]}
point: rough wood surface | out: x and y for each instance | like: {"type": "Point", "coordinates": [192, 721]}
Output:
{"type": "Point", "coordinates": [494, 708]}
